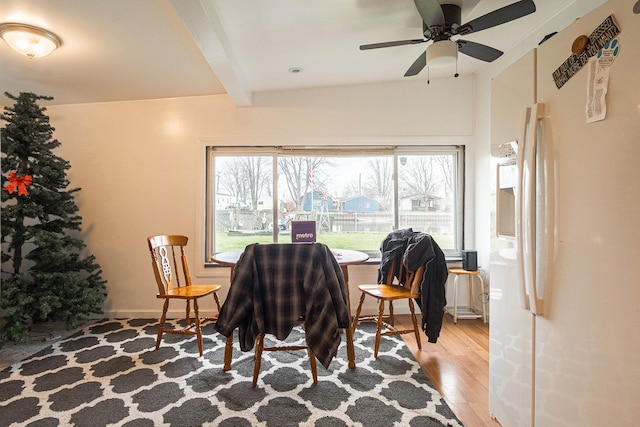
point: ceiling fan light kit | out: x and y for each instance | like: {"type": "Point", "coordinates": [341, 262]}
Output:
{"type": "Point", "coordinates": [442, 54]}
{"type": "Point", "coordinates": [29, 40]}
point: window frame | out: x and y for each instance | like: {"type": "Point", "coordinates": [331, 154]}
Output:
{"type": "Point", "coordinates": [451, 146]}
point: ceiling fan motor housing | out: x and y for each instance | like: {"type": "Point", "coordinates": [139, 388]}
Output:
{"type": "Point", "coordinates": [452, 17]}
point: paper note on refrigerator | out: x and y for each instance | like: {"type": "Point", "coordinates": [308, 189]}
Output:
{"type": "Point", "coordinates": [598, 81]}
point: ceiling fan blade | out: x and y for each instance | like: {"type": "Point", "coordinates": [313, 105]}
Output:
{"type": "Point", "coordinates": [498, 17]}
{"type": "Point", "coordinates": [478, 51]}
{"type": "Point", "coordinates": [391, 44]}
{"type": "Point", "coordinates": [417, 65]}
{"type": "Point", "coordinates": [431, 13]}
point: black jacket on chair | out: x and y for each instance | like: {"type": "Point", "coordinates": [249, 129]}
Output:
{"type": "Point", "coordinates": [416, 249]}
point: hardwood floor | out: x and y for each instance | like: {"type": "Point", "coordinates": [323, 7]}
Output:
{"type": "Point", "coordinates": [458, 365]}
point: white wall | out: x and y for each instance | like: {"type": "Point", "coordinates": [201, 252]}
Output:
{"type": "Point", "coordinates": [140, 163]}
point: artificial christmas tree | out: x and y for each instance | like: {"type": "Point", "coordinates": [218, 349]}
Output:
{"type": "Point", "coordinates": [46, 276]}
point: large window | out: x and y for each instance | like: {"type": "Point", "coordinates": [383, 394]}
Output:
{"type": "Point", "coordinates": [356, 196]}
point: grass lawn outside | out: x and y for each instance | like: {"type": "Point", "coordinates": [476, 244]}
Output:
{"type": "Point", "coordinates": [368, 242]}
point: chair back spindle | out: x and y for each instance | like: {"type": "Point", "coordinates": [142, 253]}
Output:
{"type": "Point", "coordinates": [411, 280]}
{"type": "Point", "coordinates": [165, 263]}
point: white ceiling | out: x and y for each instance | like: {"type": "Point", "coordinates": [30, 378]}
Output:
{"type": "Point", "coordinates": [116, 50]}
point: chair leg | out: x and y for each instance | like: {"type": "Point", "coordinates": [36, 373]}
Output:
{"type": "Point", "coordinates": [392, 321]}
{"type": "Point", "coordinates": [163, 318]}
{"type": "Point", "coordinates": [312, 362]}
{"type": "Point", "coordinates": [187, 316]}
{"type": "Point", "coordinates": [351, 356]}
{"type": "Point", "coordinates": [379, 329]}
{"type": "Point", "coordinates": [415, 323]}
{"type": "Point", "coordinates": [228, 353]}
{"type": "Point", "coordinates": [355, 319]}
{"type": "Point", "coordinates": [197, 323]}
{"type": "Point", "coordinates": [258, 359]}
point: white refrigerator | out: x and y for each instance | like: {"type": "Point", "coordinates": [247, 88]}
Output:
{"type": "Point", "coordinates": [565, 258]}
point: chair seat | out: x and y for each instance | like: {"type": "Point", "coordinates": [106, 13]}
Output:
{"type": "Point", "coordinates": [387, 292]}
{"type": "Point", "coordinates": [193, 291]}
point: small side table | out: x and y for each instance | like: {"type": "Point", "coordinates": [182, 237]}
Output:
{"type": "Point", "coordinates": [466, 312]}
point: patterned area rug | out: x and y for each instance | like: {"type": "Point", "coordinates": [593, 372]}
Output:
{"type": "Point", "coordinates": [111, 374]}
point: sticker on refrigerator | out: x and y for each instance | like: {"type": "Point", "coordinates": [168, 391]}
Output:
{"type": "Point", "coordinates": [601, 36]}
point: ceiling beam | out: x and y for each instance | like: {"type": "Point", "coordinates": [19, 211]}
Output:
{"type": "Point", "coordinates": [203, 23]}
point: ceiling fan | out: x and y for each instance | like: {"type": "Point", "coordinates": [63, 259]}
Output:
{"type": "Point", "coordinates": [441, 22]}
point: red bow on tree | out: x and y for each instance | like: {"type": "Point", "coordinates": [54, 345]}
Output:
{"type": "Point", "coordinates": [18, 182]}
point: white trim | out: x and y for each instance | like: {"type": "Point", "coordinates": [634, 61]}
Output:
{"type": "Point", "coordinates": [198, 268]}
{"type": "Point", "coordinates": [372, 141]}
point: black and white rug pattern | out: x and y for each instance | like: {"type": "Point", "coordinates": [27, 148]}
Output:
{"type": "Point", "coordinates": [111, 374]}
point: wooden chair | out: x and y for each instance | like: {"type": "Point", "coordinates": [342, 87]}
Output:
{"type": "Point", "coordinates": [389, 292]}
{"type": "Point", "coordinates": [168, 270]}
{"type": "Point", "coordinates": [282, 346]}
{"type": "Point", "coordinates": [274, 288]}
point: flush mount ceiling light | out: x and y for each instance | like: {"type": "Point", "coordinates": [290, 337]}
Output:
{"type": "Point", "coordinates": [442, 54]}
{"type": "Point", "coordinates": [29, 40]}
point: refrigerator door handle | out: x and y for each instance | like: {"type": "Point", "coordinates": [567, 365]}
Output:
{"type": "Point", "coordinates": [533, 214]}
{"type": "Point", "coordinates": [524, 295]}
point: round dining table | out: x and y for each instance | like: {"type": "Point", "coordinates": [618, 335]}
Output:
{"type": "Point", "coordinates": [345, 258]}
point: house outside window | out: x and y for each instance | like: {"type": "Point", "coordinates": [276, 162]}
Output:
{"type": "Point", "coordinates": [355, 195]}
